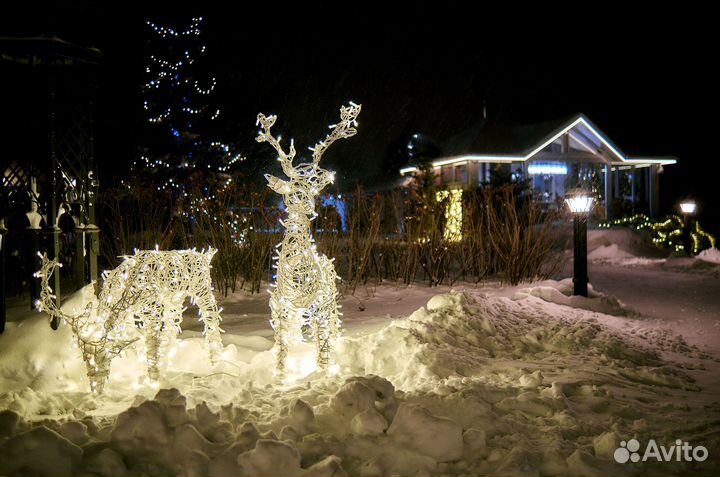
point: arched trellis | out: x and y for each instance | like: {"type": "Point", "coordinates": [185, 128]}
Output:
{"type": "Point", "coordinates": [50, 169]}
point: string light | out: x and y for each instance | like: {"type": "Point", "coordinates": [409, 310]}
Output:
{"type": "Point", "coordinates": [452, 231]}
{"type": "Point", "coordinates": [141, 301]}
{"type": "Point", "coordinates": [175, 100]}
{"type": "Point", "coordinates": [667, 233]}
{"type": "Point", "coordinates": [304, 293]}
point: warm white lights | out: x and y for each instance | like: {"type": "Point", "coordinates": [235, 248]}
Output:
{"type": "Point", "coordinates": [580, 121]}
{"type": "Point", "coordinates": [453, 213]}
{"type": "Point", "coordinates": [579, 203]}
{"type": "Point", "coordinates": [688, 206]}
{"type": "Point", "coordinates": [142, 298]}
{"type": "Point", "coordinates": [304, 301]}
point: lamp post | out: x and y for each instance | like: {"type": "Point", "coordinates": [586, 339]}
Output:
{"type": "Point", "coordinates": [579, 203]}
{"type": "Point", "coordinates": [688, 208]}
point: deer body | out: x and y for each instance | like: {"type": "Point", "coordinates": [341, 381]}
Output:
{"type": "Point", "coordinates": [142, 298]}
{"type": "Point", "coordinates": [304, 299]}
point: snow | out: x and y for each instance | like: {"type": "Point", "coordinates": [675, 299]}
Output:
{"type": "Point", "coordinates": [711, 255]}
{"type": "Point", "coordinates": [416, 428]}
{"type": "Point", "coordinates": [475, 380]}
{"type": "Point", "coordinates": [622, 247]}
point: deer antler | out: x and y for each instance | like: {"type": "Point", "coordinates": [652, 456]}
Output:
{"type": "Point", "coordinates": [46, 302]}
{"type": "Point", "coordinates": [266, 122]}
{"type": "Point", "coordinates": [343, 130]}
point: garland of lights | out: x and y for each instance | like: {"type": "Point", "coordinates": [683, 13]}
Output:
{"type": "Point", "coordinates": [141, 298]}
{"type": "Point", "coordinates": [169, 76]}
{"type": "Point", "coordinates": [305, 294]}
{"type": "Point", "coordinates": [668, 233]}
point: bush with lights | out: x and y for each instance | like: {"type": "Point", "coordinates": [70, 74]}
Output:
{"type": "Point", "coordinates": [668, 233]}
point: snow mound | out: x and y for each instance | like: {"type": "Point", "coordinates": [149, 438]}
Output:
{"type": "Point", "coordinates": [561, 293]}
{"type": "Point", "coordinates": [615, 255]}
{"type": "Point", "coordinates": [608, 252]}
{"type": "Point", "coordinates": [39, 451]}
{"type": "Point", "coordinates": [469, 384]}
{"type": "Point", "coordinates": [622, 246]}
{"type": "Point", "coordinates": [711, 255]}
{"type": "Point", "coordinates": [458, 335]}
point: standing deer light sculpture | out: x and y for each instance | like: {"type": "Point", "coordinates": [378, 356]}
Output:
{"type": "Point", "coordinates": [304, 298]}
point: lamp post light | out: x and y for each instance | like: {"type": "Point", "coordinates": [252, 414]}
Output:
{"type": "Point", "coordinates": [579, 203]}
{"type": "Point", "coordinates": [688, 208]}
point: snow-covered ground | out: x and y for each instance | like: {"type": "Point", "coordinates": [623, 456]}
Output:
{"type": "Point", "coordinates": [477, 380]}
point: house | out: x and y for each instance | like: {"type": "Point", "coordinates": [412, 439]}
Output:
{"type": "Point", "coordinates": [553, 156]}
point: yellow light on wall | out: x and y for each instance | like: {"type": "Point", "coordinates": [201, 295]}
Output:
{"type": "Point", "coordinates": [453, 213]}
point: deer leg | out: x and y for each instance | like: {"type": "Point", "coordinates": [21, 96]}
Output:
{"type": "Point", "coordinates": [155, 339]}
{"type": "Point", "coordinates": [97, 363]}
{"type": "Point", "coordinates": [280, 324]}
{"type": "Point", "coordinates": [210, 316]}
{"type": "Point", "coordinates": [326, 322]}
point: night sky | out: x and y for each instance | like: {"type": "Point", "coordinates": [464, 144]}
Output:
{"type": "Point", "coordinates": [644, 78]}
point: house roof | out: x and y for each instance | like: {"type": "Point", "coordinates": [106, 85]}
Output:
{"type": "Point", "coordinates": [507, 141]}
{"type": "Point", "coordinates": [46, 50]}
{"type": "Point", "coordinates": [502, 137]}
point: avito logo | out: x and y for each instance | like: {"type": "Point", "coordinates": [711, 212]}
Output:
{"type": "Point", "coordinates": [679, 452]}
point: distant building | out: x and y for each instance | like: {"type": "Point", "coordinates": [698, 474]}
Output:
{"type": "Point", "coordinates": [554, 156]}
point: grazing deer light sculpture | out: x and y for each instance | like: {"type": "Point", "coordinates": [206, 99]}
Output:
{"type": "Point", "coordinates": [305, 296]}
{"type": "Point", "coordinates": [142, 298]}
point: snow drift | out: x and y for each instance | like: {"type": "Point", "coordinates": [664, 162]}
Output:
{"type": "Point", "coordinates": [469, 384]}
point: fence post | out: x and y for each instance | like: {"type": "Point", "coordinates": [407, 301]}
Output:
{"type": "Point", "coordinates": [35, 219]}
{"type": "Point", "coordinates": [79, 253]}
{"type": "Point", "coordinates": [93, 232]}
{"type": "Point", "coordinates": [3, 306]}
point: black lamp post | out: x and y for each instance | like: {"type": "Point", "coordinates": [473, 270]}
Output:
{"type": "Point", "coordinates": [688, 208]}
{"type": "Point", "coordinates": [579, 203]}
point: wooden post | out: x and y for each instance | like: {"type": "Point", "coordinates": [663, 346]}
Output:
{"type": "Point", "coordinates": [633, 190]}
{"type": "Point", "coordinates": [653, 190]}
{"type": "Point", "coordinates": [608, 190]}
{"type": "Point", "coordinates": [93, 238]}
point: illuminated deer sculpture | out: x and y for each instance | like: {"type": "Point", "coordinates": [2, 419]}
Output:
{"type": "Point", "coordinates": [140, 299]}
{"type": "Point", "coordinates": [304, 299]}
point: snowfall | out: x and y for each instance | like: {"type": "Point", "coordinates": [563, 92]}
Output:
{"type": "Point", "coordinates": [471, 380]}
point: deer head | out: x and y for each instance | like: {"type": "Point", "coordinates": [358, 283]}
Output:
{"type": "Point", "coordinates": [307, 179]}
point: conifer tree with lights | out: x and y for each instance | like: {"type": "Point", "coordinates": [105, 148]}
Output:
{"type": "Point", "coordinates": [182, 118]}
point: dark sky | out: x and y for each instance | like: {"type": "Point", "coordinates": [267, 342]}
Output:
{"type": "Point", "coordinates": [646, 78]}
